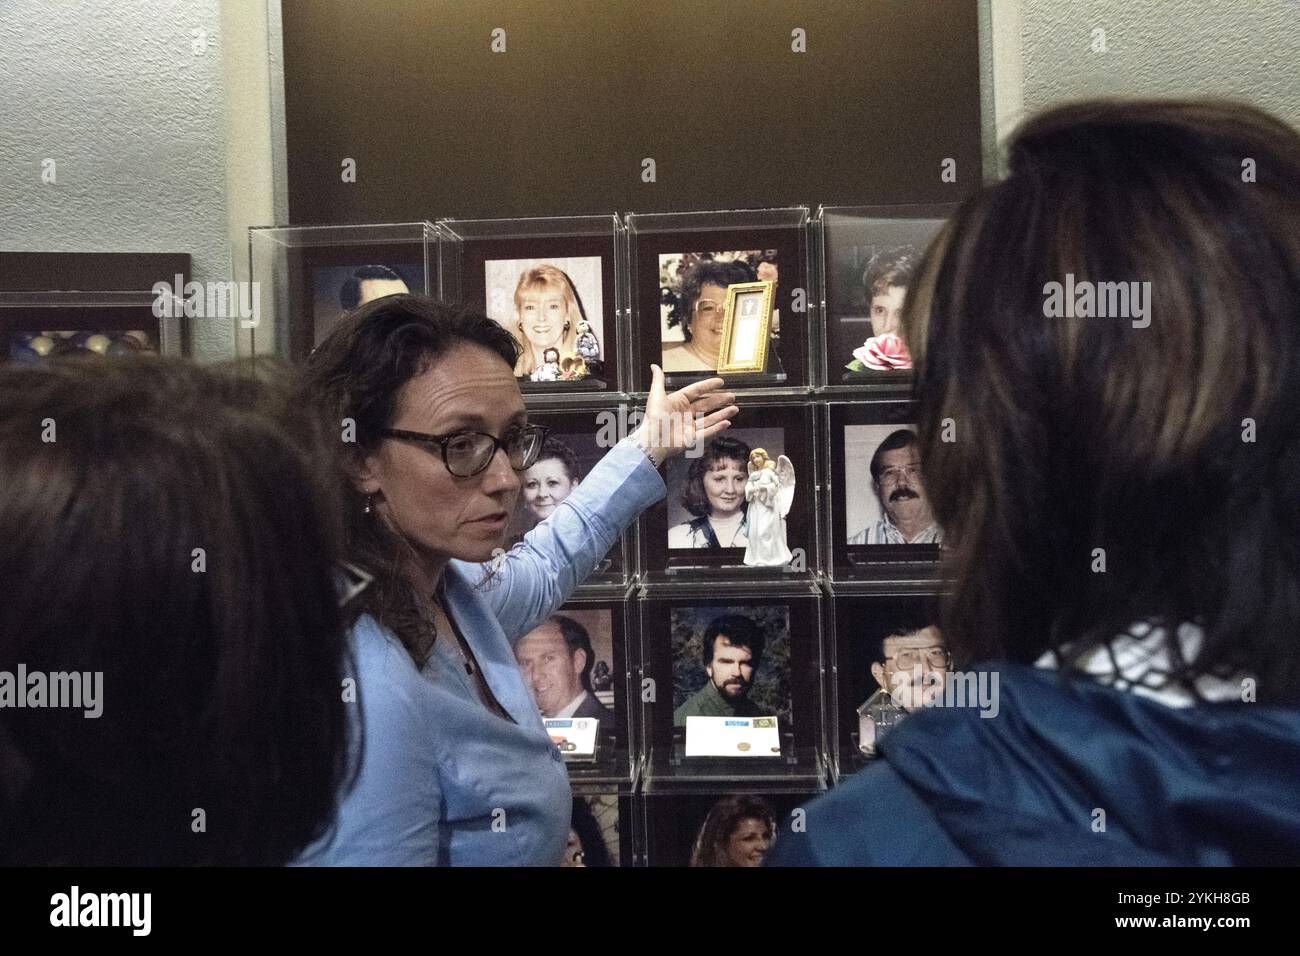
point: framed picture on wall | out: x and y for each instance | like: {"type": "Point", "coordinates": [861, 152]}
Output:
{"type": "Point", "coordinates": [881, 511]}
{"type": "Point", "coordinates": [745, 329]}
{"type": "Point", "coordinates": [599, 835]}
{"type": "Point", "coordinates": [683, 265]}
{"type": "Point", "coordinates": [573, 446]}
{"type": "Point", "coordinates": [753, 655]}
{"type": "Point", "coordinates": [90, 335]}
{"type": "Point", "coordinates": [337, 289]}
{"type": "Point", "coordinates": [574, 664]}
{"type": "Point", "coordinates": [871, 258]}
{"type": "Point", "coordinates": [703, 521]}
{"type": "Point", "coordinates": [553, 285]}
{"type": "Point", "coordinates": [719, 830]}
{"type": "Point", "coordinates": [326, 282]}
{"type": "Point", "coordinates": [890, 660]}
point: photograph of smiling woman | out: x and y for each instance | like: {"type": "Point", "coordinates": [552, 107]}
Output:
{"type": "Point", "coordinates": [548, 311]}
{"type": "Point", "coordinates": [550, 480]}
{"type": "Point", "coordinates": [715, 494]}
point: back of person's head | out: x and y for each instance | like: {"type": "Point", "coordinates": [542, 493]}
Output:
{"type": "Point", "coordinates": [171, 529]}
{"type": "Point", "coordinates": [1135, 467]}
{"type": "Point", "coordinates": [355, 377]}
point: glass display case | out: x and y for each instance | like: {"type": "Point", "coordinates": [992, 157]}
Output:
{"type": "Point", "coordinates": [888, 655]}
{"type": "Point", "coordinates": [681, 265]}
{"type": "Point", "coordinates": [579, 665]}
{"type": "Point", "coordinates": [104, 304]}
{"type": "Point", "coordinates": [306, 278]}
{"type": "Point", "coordinates": [867, 259]}
{"type": "Point", "coordinates": [877, 521]}
{"type": "Point", "coordinates": [731, 687]}
{"type": "Point", "coordinates": [558, 286]}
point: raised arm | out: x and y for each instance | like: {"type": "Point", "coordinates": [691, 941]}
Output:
{"type": "Point", "coordinates": [535, 577]}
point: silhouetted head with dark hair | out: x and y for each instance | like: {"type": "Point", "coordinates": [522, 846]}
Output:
{"type": "Point", "coordinates": [368, 283]}
{"type": "Point", "coordinates": [1126, 468]}
{"type": "Point", "coordinates": [171, 528]}
{"type": "Point", "coordinates": [409, 363]}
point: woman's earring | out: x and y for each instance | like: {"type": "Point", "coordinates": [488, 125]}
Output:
{"type": "Point", "coordinates": [369, 508]}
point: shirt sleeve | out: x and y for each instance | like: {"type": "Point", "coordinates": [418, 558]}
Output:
{"type": "Point", "coordinates": [390, 815]}
{"type": "Point", "coordinates": [539, 573]}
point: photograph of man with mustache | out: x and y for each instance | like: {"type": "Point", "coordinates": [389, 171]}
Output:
{"type": "Point", "coordinates": [731, 654]}
{"type": "Point", "coordinates": [896, 477]}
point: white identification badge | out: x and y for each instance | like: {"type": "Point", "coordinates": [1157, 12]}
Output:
{"type": "Point", "coordinates": [732, 737]}
{"type": "Point", "coordinates": [575, 736]}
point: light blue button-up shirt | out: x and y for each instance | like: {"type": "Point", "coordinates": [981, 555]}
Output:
{"type": "Point", "coordinates": [443, 780]}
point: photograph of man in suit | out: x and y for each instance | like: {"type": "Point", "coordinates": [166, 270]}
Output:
{"type": "Point", "coordinates": [556, 658]}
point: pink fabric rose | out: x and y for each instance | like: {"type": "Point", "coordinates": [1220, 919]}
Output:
{"type": "Point", "coordinates": [884, 352]}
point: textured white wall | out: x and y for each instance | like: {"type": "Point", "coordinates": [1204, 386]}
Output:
{"type": "Point", "coordinates": [1244, 49]}
{"type": "Point", "coordinates": [113, 92]}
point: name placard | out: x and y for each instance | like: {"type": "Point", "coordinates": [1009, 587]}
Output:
{"type": "Point", "coordinates": [732, 737]}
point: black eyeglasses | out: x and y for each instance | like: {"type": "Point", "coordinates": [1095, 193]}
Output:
{"type": "Point", "coordinates": [466, 453]}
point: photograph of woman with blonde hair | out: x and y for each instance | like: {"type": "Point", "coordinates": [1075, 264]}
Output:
{"type": "Point", "coordinates": [548, 311]}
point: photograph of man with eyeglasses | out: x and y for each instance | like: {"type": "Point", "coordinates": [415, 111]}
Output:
{"type": "Point", "coordinates": [912, 673]}
{"type": "Point", "coordinates": [905, 517]}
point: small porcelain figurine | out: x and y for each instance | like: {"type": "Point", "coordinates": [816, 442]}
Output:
{"type": "Point", "coordinates": [572, 368]}
{"type": "Point", "coordinates": [588, 347]}
{"type": "Point", "coordinates": [549, 370]}
{"type": "Point", "coordinates": [770, 492]}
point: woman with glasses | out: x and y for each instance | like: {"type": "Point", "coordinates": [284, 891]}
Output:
{"type": "Point", "coordinates": [699, 312]}
{"type": "Point", "coordinates": [455, 765]}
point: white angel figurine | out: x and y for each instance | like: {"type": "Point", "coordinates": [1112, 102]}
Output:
{"type": "Point", "coordinates": [769, 491]}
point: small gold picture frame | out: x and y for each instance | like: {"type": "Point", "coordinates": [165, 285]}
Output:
{"type": "Point", "coordinates": [746, 327]}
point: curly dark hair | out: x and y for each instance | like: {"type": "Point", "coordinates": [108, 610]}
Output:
{"type": "Point", "coordinates": [358, 373]}
{"type": "Point", "coordinates": [705, 272]}
{"type": "Point", "coordinates": [722, 448]}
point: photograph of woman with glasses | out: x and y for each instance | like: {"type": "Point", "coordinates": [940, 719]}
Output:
{"type": "Point", "coordinates": [454, 764]}
{"type": "Point", "coordinates": [695, 306]}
